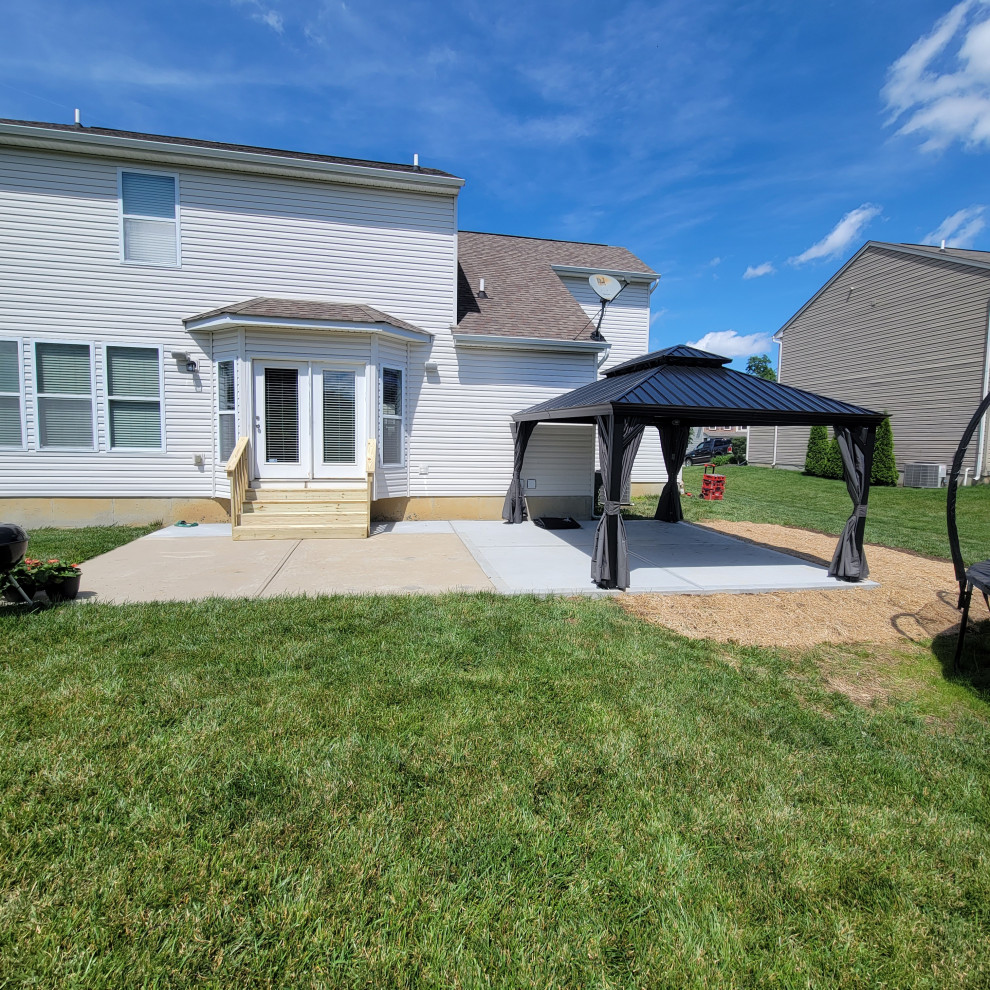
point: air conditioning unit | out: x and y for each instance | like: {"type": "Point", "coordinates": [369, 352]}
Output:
{"type": "Point", "coordinates": [919, 475]}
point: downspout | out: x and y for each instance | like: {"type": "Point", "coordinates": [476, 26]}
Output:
{"type": "Point", "coordinates": [214, 406]}
{"type": "Point", "coordinates": [981, 436]}
{"type": "Point", "coordinates": [778, 339]}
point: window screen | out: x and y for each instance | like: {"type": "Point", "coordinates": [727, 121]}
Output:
{"type": "Point", "coordinates": [150, 222]}
{"type": "Point", "coordinates": [391, 416]}
{"type": "Point", "coordinates": [134, 410]}
{"type": "Point", "coordinates": [65, 395]}
{"type": "Point", "coordinates": [11, 432]}
{"type": "Point", "coordinates": [226, 409]}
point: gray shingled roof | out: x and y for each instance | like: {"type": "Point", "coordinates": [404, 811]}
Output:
{"type": "Point", "coordinates": [221, 146]}
{"type": "Point", "coordinates": [307, 309]}
{"type": "Point", "coordinates": [525, 296]}
{"type": "Point", "coordinates": [692, 385]}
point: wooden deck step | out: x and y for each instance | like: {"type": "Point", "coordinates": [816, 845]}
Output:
{"type": "Point", "coordinates": [306, 495]}
{"type": "Point", "coordinates": [340, 512]}
{"type": "Point", "coordinates": [301, 532]}
{"type": "Point", "coordinates": [304, 508]}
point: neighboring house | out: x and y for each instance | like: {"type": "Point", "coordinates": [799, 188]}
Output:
{"type": "Point", "coordinates": [725, 431]}
{"type": "Point", "coordinates": [900, 328]}
{"type": "Point", "coordinates": [163, 297]}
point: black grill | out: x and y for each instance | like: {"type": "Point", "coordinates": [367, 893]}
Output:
{"type": "Point", "coordinates": [13, 546]}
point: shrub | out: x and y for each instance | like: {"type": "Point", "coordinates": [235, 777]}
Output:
{"type": "Point", "coordinates": [738, 450]}
{"type": "Point", "coordinates": [833, 460]}
{"type": "Point", "coordinates": [816, 460]}
{"type": "Point", "coordinates": [884, 466]}
{"type": "Point", "coordinates": [722, 459]}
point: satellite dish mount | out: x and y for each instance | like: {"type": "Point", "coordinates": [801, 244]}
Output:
{"type": "Point", "coordinates": [606, 288]}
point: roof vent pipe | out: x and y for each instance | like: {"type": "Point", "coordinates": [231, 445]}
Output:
{"type": "Point", "coordinates": [78, 118]}
{"type": "Point", "coordinates": [942, 248]}
{"type": "Point", "coordinates": [416, 160]}
{"type": "Point", "coordinates": [481, 289]}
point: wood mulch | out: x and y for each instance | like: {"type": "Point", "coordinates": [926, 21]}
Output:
{"type": "Point", "coordinates": [915, 599]}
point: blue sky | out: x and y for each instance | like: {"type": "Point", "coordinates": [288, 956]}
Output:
{"type": "Point", "coordinates": [743, 150]}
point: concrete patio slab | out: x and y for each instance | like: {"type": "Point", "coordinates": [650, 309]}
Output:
{"type": "Point", "coordinates": [179, 563]}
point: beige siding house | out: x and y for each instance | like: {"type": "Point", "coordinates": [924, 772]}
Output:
{"type": "Point", "coordinates": [901, 328]}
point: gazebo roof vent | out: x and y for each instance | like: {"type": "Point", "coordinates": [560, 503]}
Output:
{"type": "Point", "coordinates": [679, 354]}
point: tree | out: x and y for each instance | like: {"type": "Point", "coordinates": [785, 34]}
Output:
{"type": "Point", "coordinates": [833, 460]}
{"type": "Point", "coordinates": [759, 365]}
{"type": "Point", "coordinates": [884, 465]}
{"type": "Point", "coordinates": [816, 460]}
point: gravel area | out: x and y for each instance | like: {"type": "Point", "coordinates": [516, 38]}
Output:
{"type": "Point", "coordinates": [915, 600]}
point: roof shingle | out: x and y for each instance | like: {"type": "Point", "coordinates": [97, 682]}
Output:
{"type": "Point", "coordinates": [526, 298]}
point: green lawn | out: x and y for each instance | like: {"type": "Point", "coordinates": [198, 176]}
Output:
{"type": "Point", "coordinates": [77, 545]}
{"type": "Point", "coordinates": [474, 791]}
{"type": "Point", "coordinates": [913, 518]}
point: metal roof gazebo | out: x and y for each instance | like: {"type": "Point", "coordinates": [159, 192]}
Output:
{"type": "Point", "coordinates": [673, 390]}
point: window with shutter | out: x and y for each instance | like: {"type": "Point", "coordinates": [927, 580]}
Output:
{"type": "Point", "coordinates": [391, 411]}
{"type": "Point", "coordinates": [134, 407]}
{"type": "Point", "coordinates": [64, 395]}
{"type": "Point", "coordinates": [150, 218]}
{"type": "Point", "coordinates": [11, 420]}
{"type": "Point", "coordinates": [226, 409]}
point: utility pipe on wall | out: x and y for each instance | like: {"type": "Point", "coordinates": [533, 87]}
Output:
{"type": "Point", "coordinates": [981, 436]}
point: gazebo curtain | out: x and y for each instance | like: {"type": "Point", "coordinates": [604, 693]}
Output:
{"type": "Point", "coordinates": [514, 507]}
{"type": "Point", "coordinates": [610, 559]}
{"type": "Point", "coordinates": [674, 443]}
{"type": "Point", "coordinates": [856, 446]}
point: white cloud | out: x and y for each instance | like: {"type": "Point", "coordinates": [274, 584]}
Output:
{"type": "Point", "coordinates": [730, 344]}
{"type": "Point", "coordinates": [940, 87]}
{"type": "Point", "coordinates": [960, 229]}
{"type": "Point", "coordinates": [263, 14]}
{"type": "Point", "coordinates": [756, 271]}
{"type": "Point", "coordinates": [715, 262]}
{"type": "Point", "coordinates": [844, 233]}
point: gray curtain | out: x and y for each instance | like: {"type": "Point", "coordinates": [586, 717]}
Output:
{"type": "Point", "coordinates": [674, 443]}
{"type": "Point", "coordinates": [514, 508]}
{"type": "Point", "coordinates": [856, 445]}
{"type": "Point", "coordinates": [610, 558]}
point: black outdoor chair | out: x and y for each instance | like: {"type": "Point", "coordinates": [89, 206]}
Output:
{"type": "Point", "coordinates": [976, 575]}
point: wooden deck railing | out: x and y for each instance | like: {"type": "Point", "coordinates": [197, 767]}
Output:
{"type": "Point", "coordinates": [369, 468]}
{"type": "Point", "coordinates": [237, 474]}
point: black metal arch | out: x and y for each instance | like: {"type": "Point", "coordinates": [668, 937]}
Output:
{"type": "Point", "coordinates": [950, 497]}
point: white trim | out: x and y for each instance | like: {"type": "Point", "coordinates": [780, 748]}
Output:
{"type": "Point", "coordinates": [401, 462]}
{"type": "Point", "coordinates": [584, 270]}
{"type": "Point", "coordinates": [141, 149]}
{"type": "Point", "coordinates": [111, 449]}
{"type": "Point", "coordinates": [527, 343]}
{"type": "Point", "coordinates": [64, 395]}
{"type": "Point", "coordinates": [121, 216]}
{"type": "Point", "coordinates": [227, 321]}
{"type": "Point", "coordinates": [21, 395]}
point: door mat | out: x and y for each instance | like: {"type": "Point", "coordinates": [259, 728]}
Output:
{"type": "Point", "coordinates": [557, 522]}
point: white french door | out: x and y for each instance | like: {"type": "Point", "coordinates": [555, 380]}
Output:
{"type": "Point", "coordinates": [310, 420]}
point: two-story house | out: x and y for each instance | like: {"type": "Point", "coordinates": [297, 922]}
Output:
{"type": "Point", "coordinates": [167, 303]}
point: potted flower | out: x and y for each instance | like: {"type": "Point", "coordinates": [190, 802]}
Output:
{"type": "Point", "coordinates": [26, 573]}
{"type": "Point", "coordinates": [59, 579]}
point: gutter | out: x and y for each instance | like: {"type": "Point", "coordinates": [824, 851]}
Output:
{"type": "Point", "coordinates": [229, 320]}
{"type": "Point", "coordinates": [87, 143]}
{"type": "Point", "coordinates": [527, 343]}
{"type": "Point", "coordinates": [778, 339]}
{"type": "Point", "coordinates": [584, 271]}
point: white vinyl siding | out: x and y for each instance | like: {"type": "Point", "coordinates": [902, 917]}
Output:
{"type": "Point", "coordinates": [226, 409]}
{"type": "Point", "coordinates": [64, 395]}
{"type": "Point", "coordinates": [392, 418]}
{"type": "Point", "coordinates": [149, 218]}
{"type": "Point", "coordinates": [133, 390]}
{"type": "Point", "coordinates": [11, 395]}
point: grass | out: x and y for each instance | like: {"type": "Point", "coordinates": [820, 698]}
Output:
{"type": "Point", "coordinates": [77, 545]}
{"type": "Point", "coordinates": [473, 791]}
{"type": "Point", "coordinates": [911, 518]}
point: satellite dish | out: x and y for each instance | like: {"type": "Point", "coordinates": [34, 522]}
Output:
{"type": "Point", "coordinates": [606, 286]}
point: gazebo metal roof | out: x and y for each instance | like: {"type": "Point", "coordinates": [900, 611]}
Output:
{"type": "Point", "coordinates": [694, 387]}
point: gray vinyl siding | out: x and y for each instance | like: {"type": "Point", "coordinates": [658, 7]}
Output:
{"type": "Point", "coordinates": [897, 333]}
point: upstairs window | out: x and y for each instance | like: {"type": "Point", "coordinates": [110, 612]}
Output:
{"type": "Point", "coordinates": [391, 416]}
{"type": "Point", "coordinates": [11, 423]}
{"type": "Point", "coordinates": [64, 374]}
{"type": "Point", "coordinates": [150, 218]}
{"type": "Point", "coordinates": [134, 406]}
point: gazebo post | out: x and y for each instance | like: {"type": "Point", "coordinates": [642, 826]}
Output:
{"type": "Point", "coordinates": [613, 492]}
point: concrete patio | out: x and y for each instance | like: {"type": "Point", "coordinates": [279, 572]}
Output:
{"type": "Point", "coordinates": [176, 564]}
